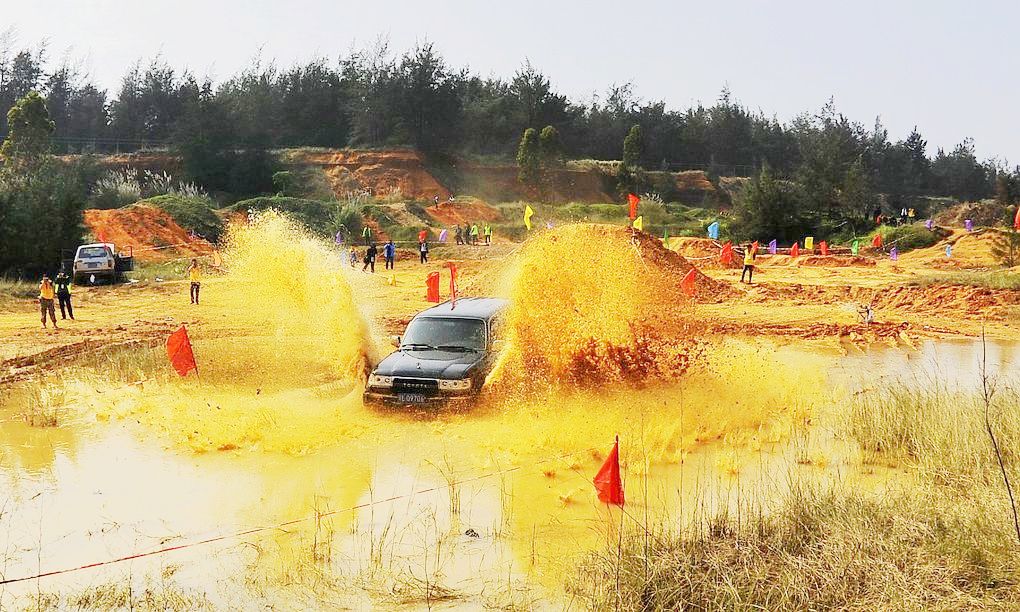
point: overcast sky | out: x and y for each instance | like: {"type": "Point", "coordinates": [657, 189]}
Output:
{"type": "Point", "coordinates": [951, 67]}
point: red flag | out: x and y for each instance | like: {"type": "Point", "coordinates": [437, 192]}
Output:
{"type": "Point", "coordinates": [726, 254]}
{"type": "Point", "coordinates": [877, 241]}
{"type": "Point", "coordinates": [795, 249]}
{"type": "Point", "coordinates": [824, 247]}
{"type": "Point", "coordinates": [755, 246]}
{"type": "Point", "coordinates": [422, 235]}
{"type": "Point", "coordinates": [1016, 219]}
{"type": "Point", "coordinates": [432, 287]}
{"type": "Point", "coordinates": [453, 283]}
{"type": "Point", "coordinates": [178, 349]}
{"type": "Point", "coordinates": [633, 201]}
{"type": "Point", "coordinates": [607, 481]}
{"type": "Point", "coordinates": [687, 284]}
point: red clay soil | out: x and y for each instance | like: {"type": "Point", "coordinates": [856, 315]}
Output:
{"type": "Point", "coordinates": [703, 252]}
{"type": "Point", "coordinates": [694, 180]}
{"type": "Point", "coordinates": [382, 173]}
{"type": "Point", "coordinates": [819, 261]}
{"type": "Point", "coordinates": [150, 232]}
{"type": "Point", "coordinates": [675, 264]}
{"type": "Point", "coordinates": [461, 211]}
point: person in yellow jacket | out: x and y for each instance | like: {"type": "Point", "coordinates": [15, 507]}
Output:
{"type": "Point", "coordinates": [47, 293]}
{"type": "Point", "coordinates": [195, 276]}
{"type": "Point", "coordinates": [488, 234]}
{"type": "Point", "coordinates": [749, 255]}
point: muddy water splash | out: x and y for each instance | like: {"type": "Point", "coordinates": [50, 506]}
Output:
{"type": "Point", "coordinates": [591, 305]}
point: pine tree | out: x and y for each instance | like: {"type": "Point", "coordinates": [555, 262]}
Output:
{"type": "Point", "coordinates": [529, 159]}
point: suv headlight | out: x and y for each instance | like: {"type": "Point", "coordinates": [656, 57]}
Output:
{"type": "Point", "coordinates": [455, 385]}
{"type": "Point", "coordinates": [380, 381]}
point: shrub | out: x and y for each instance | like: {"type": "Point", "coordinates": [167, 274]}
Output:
{"type": "Point", "coordinates": [321, 217]}
{"type": "Point", "coordinates": [908, 237]}
{"type": "Point", "coordinates": [197, 214]}
{"type": "Point", "coordinates": [114, 189]}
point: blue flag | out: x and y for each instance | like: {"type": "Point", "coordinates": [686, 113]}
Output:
{"type": "Point", "coordinates": [713, 230]}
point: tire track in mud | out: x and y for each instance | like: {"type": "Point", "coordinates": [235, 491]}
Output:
{"type": "Point", "coordinates": [139, 334]}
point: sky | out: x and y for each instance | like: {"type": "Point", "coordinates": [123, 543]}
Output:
{"type": "Point", "coordinates": [949, 67]}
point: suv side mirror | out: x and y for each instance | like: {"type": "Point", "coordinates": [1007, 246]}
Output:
{"type": "Point", "coordinates": [396, 341]}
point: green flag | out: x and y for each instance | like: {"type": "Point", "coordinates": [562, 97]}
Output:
{"type": "Point", "coordinates": [665, 235]}
{"type": "Point", "coordinates": [854, 246]}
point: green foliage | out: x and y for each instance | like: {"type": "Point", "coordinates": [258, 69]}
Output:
{"type": "Point", "coordinates": [322, 217]}
{"type": "Point", "coordinates": [769, 208]}
{"type": "Point", "coordinates": [998, 279]}
{"type": "Point", "coordinates": [550, 146]}
{"type": "Point", "coordinates": [907, 237]}
{"type": "Point", "coordinates": [633, 147]}
{"type": "Point", "coordinates": [29, 132]}
{"type": "Point", "coordinates": [529, 158]}
{"type": "Point", "coordinates": [284, 182]}
{"type": "Point", "coordinates": [193, 213]}
{"type": "Point", "coordinates": [1006, 247]}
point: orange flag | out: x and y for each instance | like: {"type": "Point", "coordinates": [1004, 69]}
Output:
{"type": "Point", "coordinates": [877, 241]}
{"type": "Point", "coordinates": [453, 283]}
{"type": "Point", "coordinates": [824, 247]}
{"type": "Point", "coordinates": [607, 481]}
{"type": "Point", "coordinates": [178, 349]}
{"type": "Point", "coordinates": [726, 254]}
{"type": "Point", "coordinates": [795, 249]}
{"type": "Point", "coordinates": [432, 287]}
{"type": "Point", "coordinates": [1016, 219]}
{"type": "Point", "coordinates": [687, 284]}
{"type": "Point", "coordinates": [632, 201]}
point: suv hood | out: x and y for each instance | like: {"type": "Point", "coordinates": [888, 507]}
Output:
{"type": "Point", "coordinates": [429, 364]}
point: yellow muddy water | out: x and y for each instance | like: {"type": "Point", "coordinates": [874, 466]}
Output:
{"type": "Point", "coordinates": [283, 489]}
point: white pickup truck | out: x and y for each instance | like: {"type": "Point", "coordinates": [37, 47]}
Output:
{"type": "Point", "coordinates": [100, 261]}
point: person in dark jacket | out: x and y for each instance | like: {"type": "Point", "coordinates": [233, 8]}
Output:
{"type": "Point", "coordinates": [63, 283]}
{"type": "Point", "coordinates": [390, 253]}
{"type": "Point", "coordinates": [423, 250]}
{"type": "Point", "coordinates": [370, 258]}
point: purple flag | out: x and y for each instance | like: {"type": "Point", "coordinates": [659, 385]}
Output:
{"type": "Point", "coordinates": [548, 225]}
{"type": "Point", "coordinates": [928, 224]}
{"type": "Point", "coordinates": [442, 236]}
{"type": "Point", "coordinates": [772, 248]}
{"type": "Point", "coordinates": [968, 224]}
{"type": "Point", "coordinates": [894, 254]}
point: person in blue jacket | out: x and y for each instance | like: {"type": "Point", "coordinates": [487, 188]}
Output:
{"type": "Point", "coordinates": [390, 253]}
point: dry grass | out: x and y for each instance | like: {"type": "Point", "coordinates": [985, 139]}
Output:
{"type": "Point", "coordinates": [997, 279]}
{"type": "Point", "coordinates": [838, 549]}
{"type": "Point", "coordinates": [940, 433]}
{"type": "Point", "coordinates": [42, 405]}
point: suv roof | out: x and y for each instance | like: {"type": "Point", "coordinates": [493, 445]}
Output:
{"type": "Point", "coordinates": [467, 308]}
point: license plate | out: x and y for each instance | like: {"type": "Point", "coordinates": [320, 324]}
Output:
{"type": "Point", "coordinates": [412, 398]}
{"type": "Point", "coordinates": [94, 265]}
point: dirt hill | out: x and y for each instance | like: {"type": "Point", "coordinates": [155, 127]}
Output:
{"type": "Point", "coordinates": [151, 233]}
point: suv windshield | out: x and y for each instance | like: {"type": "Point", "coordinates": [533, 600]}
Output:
{"type": "Point", "coordinates": [435, 332]}
{"type": "Point", "coordinates": [89, 252]}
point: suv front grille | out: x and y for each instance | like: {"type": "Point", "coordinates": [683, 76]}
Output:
{"type": "Point", "coordinates": [415, 385]}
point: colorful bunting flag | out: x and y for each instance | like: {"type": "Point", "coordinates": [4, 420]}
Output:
{"type": "Point", "coordinates": [773, 246]}
{"type": "Point", "coordinates": [713, 230]}
{"type": "Point", "coordinates": [855, 247]}
{"type": "Point", "coordinates": [876, 242]}
{"type": "Point", "coordinates": [795, 249]}
{"type": "Point", "coordinates": [726, 254]}
{"type": "Point", "coordinates": [809, 243]}
{"type": "Point", "coordinates": [949, 251]}
{"type": "Point", "coordinates": [607, 481]}
{"type": "Point", "coordinates": [929, 224]}
{"type": "Point", "coordinates": [632, 203]}
{"type": "Point", "coordinates": [687, 285]}
{"type": "Point", "coordinates": [527, 216]}
{"type": "Point", "coordinates": [178, 349]}
{"type": "Point", "coordinates": [894, 254]}
{"type": "Point", "coordinates": [639, 224]}
{"type": "Point", "coordinates": [968, 224]}
{"type": "Point", "coordinates": [823, 246]}
{"type": "Point", "coordinates": [432, 287]}
{"type": "Point", "coordinates": [665, 236]}
{"type": "Point", "coordinates": [339, 238]}
{"type": "Point", "coordinates": [442, 236]}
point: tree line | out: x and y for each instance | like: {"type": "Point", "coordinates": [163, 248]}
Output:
{"type": "Point", "coordinates": [375, 97]}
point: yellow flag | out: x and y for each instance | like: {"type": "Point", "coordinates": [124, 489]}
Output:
{"type": "Point", "coordinates": [527, 216]}
{"type": "Point", "coordinates": [638, 224]}
{"type": "Point", "coordinates": [216, 261]}
{"type": "Point", "coordinates": [809, 243]}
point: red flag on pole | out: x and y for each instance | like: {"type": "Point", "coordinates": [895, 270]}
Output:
{"type": "Point", "coordinates": [607, 481]}
{"type": "Point", "coordinates": [632, 201]}
{"type": "Point", "coordinates": [178, 349]}
{"type": "Point", "coordinates": [1016, 219]}
{"type": "Point", "coordinates": [877, 241]}
{"type": "Point", "coordinates": [432, 287]}
{"type": "Point", "coordinates": [824, 247]}
{"type": "Point", "coordinates": [726, 254]}
{"type": "Point", "coordinates": [453, 283]}
{"type": "Point", "coordinates": [687, 284]}
{"type": "Point", "coordinates": [795, 249]}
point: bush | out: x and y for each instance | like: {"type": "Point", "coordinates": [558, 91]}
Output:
{"type": "Point", "coordinates": [321, 217]}
{"type": "Point", "coordinates": [908, 237]}
{"type": "Point", "coordinates": [194, 213]}
{"type": "Point", "coordinates": [114, 189]}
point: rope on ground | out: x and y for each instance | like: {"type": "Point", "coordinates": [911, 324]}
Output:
{"type": "Point", "coordinates": [261, 529]}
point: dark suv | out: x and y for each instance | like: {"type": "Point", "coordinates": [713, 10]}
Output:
{"type": "Point", "coordinates": [443, 356]}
